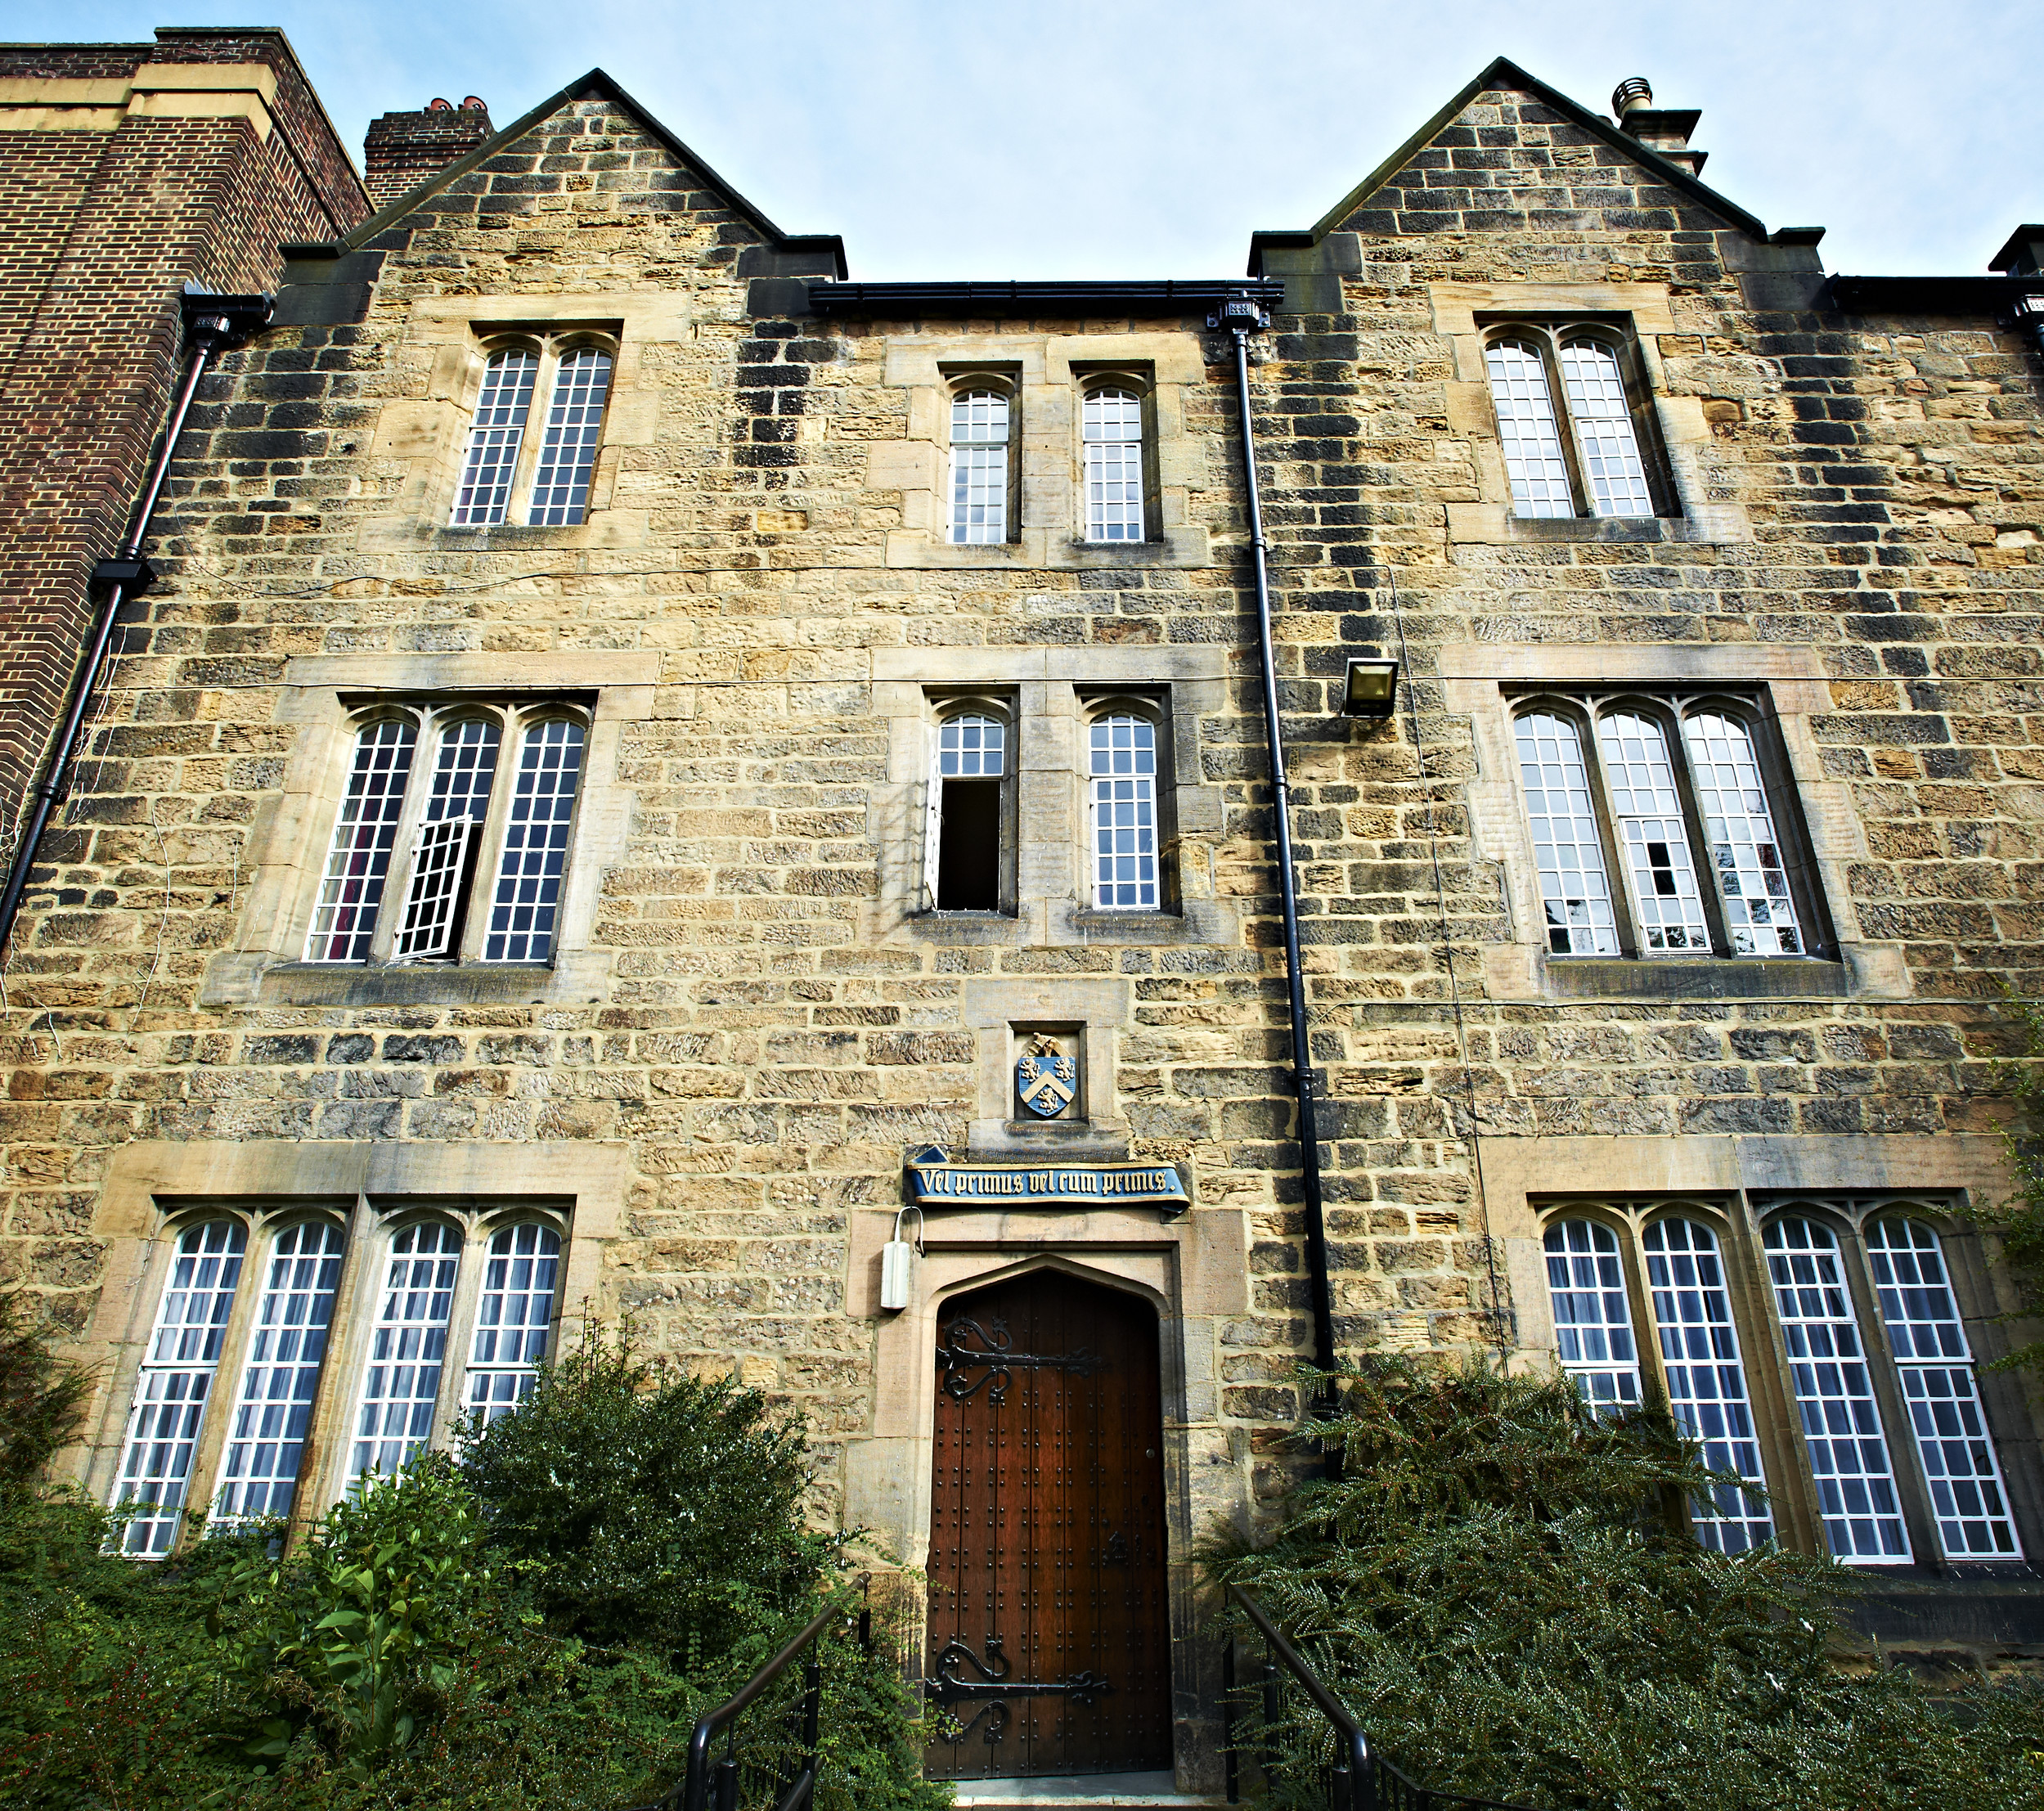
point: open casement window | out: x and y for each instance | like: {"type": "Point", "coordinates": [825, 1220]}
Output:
{"type": "Point", "coordinates": [1113, 450]}
{"type": "Point", "coordinates": [1927, 1340]}
{"type": "Point", "coordinates": [1663, 791]}
{"type": "Point", "coordinates": [1124, 824]}
{"type": "Point", "coordinates": [510, 472]}
{"type": "Point", "coordinates": [176, 1383]}
{"type": "Point", "coordinates": [476, 860]}
{"type": "Point", "coordinates": [1573, 429]}
{"type": "Point", "coordinates": [968, 835]}
{"type": "Point", "coordinates": [981, 510]}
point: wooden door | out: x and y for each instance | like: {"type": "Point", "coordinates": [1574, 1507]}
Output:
{"type": "Point", "coordinates": [1049, 1641]}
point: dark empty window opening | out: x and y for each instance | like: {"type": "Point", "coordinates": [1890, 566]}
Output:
{"type": "Point", "coordinates": [968, 847]}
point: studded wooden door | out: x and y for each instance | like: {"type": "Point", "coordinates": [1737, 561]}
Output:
{"type": "Point", "coordinates": [1050, 1643]}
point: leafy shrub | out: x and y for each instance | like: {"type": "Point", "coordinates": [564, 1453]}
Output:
{"type": "Point", "coordinates": [661, 1511]}
{"type": "Point", "coordinates": [430, 1644]}
{"type": "Point", "coordinates": [1495, 1585]}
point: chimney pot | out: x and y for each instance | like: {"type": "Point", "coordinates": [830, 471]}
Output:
{"type": "Point", "coordinates": [1633, 92]}
{"type": "Point", "coordinates": [403, 149]}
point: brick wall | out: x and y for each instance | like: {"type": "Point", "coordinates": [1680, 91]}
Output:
{"type": "Point", "coordinates": [100, 227]}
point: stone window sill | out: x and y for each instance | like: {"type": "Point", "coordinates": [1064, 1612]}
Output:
{"type": "Point", "coordinates": [1703, 977]}
{"type": "Point", "coordinates": [247, 978]}
{"type": "Point", "coordinates": [1494, 524]}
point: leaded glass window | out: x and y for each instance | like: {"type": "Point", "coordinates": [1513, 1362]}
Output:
{"type": "Point", "coordinates": [1575, 892]}
{"type": "Point", "coordinates": [401, 1381]}
{"type": "Point", "coordinates": [1707, 1378]}
{"type": "Point", "coordinates": [1648, 818]}
{"type": "Point", "coordinates": [1834, 1394]}
{"type": "Point", "coordinates": [513, 1316]}
{"type": "Point", "coordinates": [273, 1409]}
{"type": "Point", "coordinates": [1745, 854]}
{"type": "Point", "coordinates": [1928, 1340]}
{"type": "Point", "coordinates": [1612, 470]}
{"type": "Point", "coordinates": [489, 467]}
{"type": "Point", "coordinates": [568, 451]}
{"type": "Point", "coordinates": [1667, 791]}
{"type": "Point", "coordinates": [1123, 789]}
{"type": "Point", "coordinates": [1535, 466]}
{"type": "Point", "coordinates": [455, 812]}
{"type": "Point", "coordinates": [1592, 1320]}
{"type": "Point", "coordinates": [171, 1394]}
{"type": "Point", "coordinates": [979, 437]}
{"type": "Point", "coordinates": [1112, 432]}
{"type": "Point", "coordinates": [524, 912]}
{"type": "Point", "coordinates": [364, 835]}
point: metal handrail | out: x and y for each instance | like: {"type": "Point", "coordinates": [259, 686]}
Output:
{"type": "Point", "coordinates": [1361, 1780]}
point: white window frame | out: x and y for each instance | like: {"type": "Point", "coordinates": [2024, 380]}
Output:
{"type": "Point", "coordinates": [945, 711]}
{"type": "Point", "coordinates": [962, 468]}
{"type": "Point", "coordinates": [1110, 456]}
{"type": "Point", "coordinates": [555, 415]}
{"type": "Point", "coordinates": [1629, 797]}
{"type": "Point", "coordinates": [437, 877]}
{"type": "Point", "coordinates": [1098, 713]}
{"type": "Point", "coordinates": [1571, 448]}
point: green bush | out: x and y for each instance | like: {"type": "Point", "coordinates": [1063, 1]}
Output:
{"type": "Point", "coordinates": [1496, 1585]}
{"type": "Point", "coordinates": [461, 1637]}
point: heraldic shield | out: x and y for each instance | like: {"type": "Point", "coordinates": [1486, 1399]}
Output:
{"type": "Point", "coordinates": [1046, 1078]}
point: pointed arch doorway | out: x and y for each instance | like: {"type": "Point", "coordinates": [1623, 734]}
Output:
{"type": "Point", "coordinates": [1050, 1643]}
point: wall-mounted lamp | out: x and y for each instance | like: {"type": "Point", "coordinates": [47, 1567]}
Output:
{"type": "Point", "coordinates": [1371, 688]}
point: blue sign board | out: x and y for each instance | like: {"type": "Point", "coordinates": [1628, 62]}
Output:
{"type": "Point", "coordinates": [934, 1181]}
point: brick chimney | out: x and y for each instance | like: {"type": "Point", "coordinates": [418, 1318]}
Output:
{"type": "Point", "coordinates": [1663, 129]}
{"type": "Point", "coordinates": [403, 149]}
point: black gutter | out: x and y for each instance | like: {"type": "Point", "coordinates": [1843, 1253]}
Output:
{"type": "Point", "coordinates": [211, 323]}
{"type": "Point", "coordinates": [1960, 295]}
{"type": "Point", "coordinates": [1242, 315]}
{"type": "Point", "coordinates": [896, 301]}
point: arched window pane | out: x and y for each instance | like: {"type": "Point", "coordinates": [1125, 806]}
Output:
{"type": "Point", "coordinates": [491, 462]}
{"type": "Point", "coordinates": [273, 1411]}
{"type": "Point", "coordinates": [513, 1316]}
{"type": "Point", "coordinates": [1928, 1340]}
{"type": "Point", "coordinates": [1649, 822]}
{"type": "Point", "coordinates": [1706, 1379]}
{"type": "Point", "coordinates": [177, 1379]}
{"type": "Point", "coordinates": [1575, 893]}
{"type": "Point", "coordinates": [1593, 1321]}
{"type": "Point", "coordinates": [1112, 431]}
{"type": "Point", "coordinates": [971, 747]}
{"type": "Point", "coordinates": [358, 860]}
{"type": "Point", "coordinates": [401, 1380]}
{"type": "Point", "coordinates": [453, 819]}
{"type": "Point", "coordinates": [1759, 915]}
{"type": "Point", "coordinates": [1530, 441]}
{"type": "Point", "coordinates": [568, 455]}
{"type": "Point", "coordinates": [528, 903]}
{"type": "Point", "coordinates": [1124, 801]}
{"type": "Point", "coordinates": [1834, 1395]}
{"type": "Point", "coordinates": [979, 467]}
{"type": "Point", "coordinates": [1611, 468]}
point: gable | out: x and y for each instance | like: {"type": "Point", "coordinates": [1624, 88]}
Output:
{"type": "Point", "coordinates": [520, 162]}
{"type": "Point", "coordinates": [1509, 153]}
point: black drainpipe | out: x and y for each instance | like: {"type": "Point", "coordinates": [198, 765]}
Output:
{"type": "Point", "coordinates": [211, 323]}
{"type": "Point", "coordinates": [1242, 317]}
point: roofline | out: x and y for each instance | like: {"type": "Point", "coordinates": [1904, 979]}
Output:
{"type": "Point", "coordinates": [596, 84]}
{"type": "Point", "coordinates": [1171, 295]}
{"type": "Point", "coordinates": [1673, 174]}
{"type": "Point", "coordinates": [1976, 295]}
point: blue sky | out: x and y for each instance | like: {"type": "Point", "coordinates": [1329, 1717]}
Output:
{"type": "Point", "coordinates": [1139, 138]}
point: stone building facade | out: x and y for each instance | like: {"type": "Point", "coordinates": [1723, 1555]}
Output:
{"type": "Point", "coordinates": [647, 754]}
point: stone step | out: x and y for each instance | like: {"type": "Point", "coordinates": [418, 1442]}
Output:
{"type": "Point", "coordinates": [1083, 1792]}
